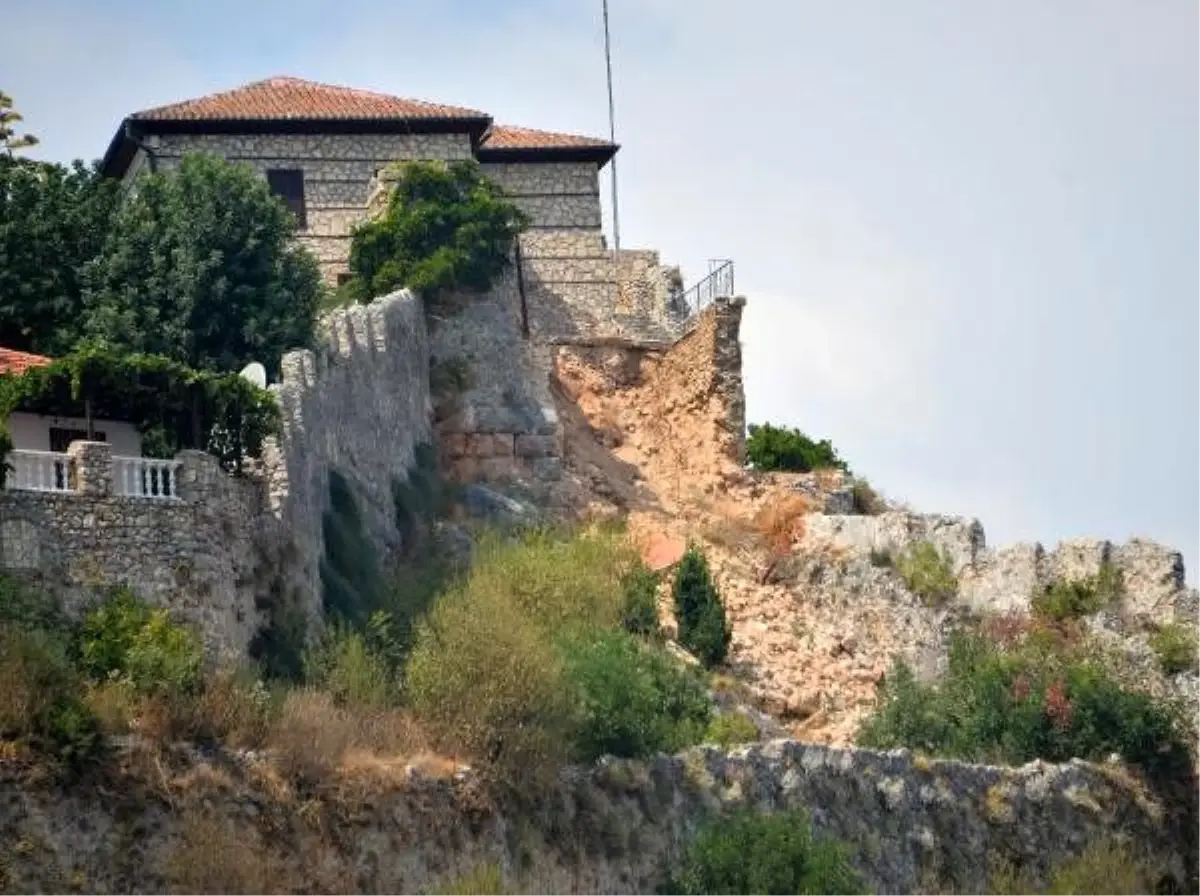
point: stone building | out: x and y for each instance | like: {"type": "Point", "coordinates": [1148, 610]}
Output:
{"type": "Point", "coordinates": [320, 146]}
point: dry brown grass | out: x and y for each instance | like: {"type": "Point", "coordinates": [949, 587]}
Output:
{"type": "Point", "coordinates": [781, 520]}
{"type": "Point", "coordinates": [314, 739]}
{"type": "Point", "coordinates": [214, 857]}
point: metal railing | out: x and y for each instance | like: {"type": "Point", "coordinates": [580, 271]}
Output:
{"type": "Point", "coordinates": [717, 285]}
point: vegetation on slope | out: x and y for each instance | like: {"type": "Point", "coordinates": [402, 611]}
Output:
{"type": "Point", "coordinates": [1034, 699]}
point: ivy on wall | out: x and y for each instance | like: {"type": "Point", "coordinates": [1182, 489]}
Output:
{"type": "Point", "coordinates": [173, 406]}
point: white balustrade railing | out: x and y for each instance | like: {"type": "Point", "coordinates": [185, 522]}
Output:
{"type": "Point", "coordinates": [145, 477]}
{"type": "Point", "coordinates": [39, 471]}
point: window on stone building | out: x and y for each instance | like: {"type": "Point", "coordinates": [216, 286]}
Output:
{"type": "Point", "coordinates": [288, 185]}
{"type": "Point", "coordinates": [344, 277]}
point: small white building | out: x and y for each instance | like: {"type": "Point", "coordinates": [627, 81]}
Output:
{"type": "Point", "coordinates": [36, 432]}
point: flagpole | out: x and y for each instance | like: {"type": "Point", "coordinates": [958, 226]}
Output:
{"type": "Point", "coordinates": [612, 133]}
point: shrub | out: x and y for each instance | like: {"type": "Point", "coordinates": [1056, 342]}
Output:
{"type": "Point", "coordinates": [1023, 704]}
{"type": "Point", "coordinates": [781, 521]}
{"type": "Point", "coordinates": [447, 227]}
{"type": "Point", "coordinates": [778, 448]}
{"type": "Point", "coordinates": [867, 501]}
{"type": "Point", "coordinates": [558, 579]}
{"type": "Point", "coordinates": [1108, 866]}
{"type": "Point", "coordinates": [41, 700]}
{"type": "Point", "coordinates": [344, 665]}
{"type": "Point", "coordinates": [752, 853]}
{"type": "Point", "coordinates": [927, 573]}
{"type": "Point", "coordinates": [485, 679]}
{"type": "Point", "coordinates": [28, 608]}
{"type": "Point", "coordinates": [699, 611]}
{"type": "Point", "coordinates": [233, 708]}
{"type": "Point", "coordinates": [639, 609]}
{"type": "Point", "coordinates": [1076, 598]}
{"type": "Point", "coordinates": [730, 729]}
{"type": "Point", "coordinates": [1175, 645]}
{"type": "Point", "coordinates": [213, 856]}
{"type": "Point", "coordinates": [631, 700]}
{"type": "Point", "coordinates": [124, 638]}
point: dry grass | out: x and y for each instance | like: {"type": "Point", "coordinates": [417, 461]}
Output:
{"type": "Point", "coordinates": [781, 520]}
{"type": "Point", "coordinates": [1107, 867]}
{"type": "Point", "coordinates": [213, 857]}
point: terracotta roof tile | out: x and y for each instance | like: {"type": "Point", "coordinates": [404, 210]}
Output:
{"type": "Point", "coordinates": [13, 361]}
{"type": "Point", "coordinates": [284, 98]}
{"type": "Point", "coordinates": [508, 137]}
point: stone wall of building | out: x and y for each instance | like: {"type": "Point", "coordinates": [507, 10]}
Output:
{"type": "Point", "coordinates": [338, 169]}
{"type": "Point", "coordinates": [910, 825]}
{"type": "Point", "coordinates": [196, 553]}
{"type": "Point", "coordinates": [359, 405]}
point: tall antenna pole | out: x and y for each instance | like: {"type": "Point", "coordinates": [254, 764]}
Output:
{"type": "Point", "coordinates": [612, 134]}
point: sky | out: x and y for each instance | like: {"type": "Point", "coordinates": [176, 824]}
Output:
{"type": "Point", "coordinates": [967, 233]}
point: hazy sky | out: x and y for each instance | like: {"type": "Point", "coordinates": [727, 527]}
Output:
{"type": "Point", "coordinates": [967, 232]}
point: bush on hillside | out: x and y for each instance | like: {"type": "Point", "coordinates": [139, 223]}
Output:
{"type": "Point", "coordinates": [770, 854]}
{"type": "Point", "coordinates": [632, 700]}
{"type": "Point", "coordinates": [1175, 645]}
{"type": "Point", "coordinates": [123, 638]}
{"type": "Point", "coordinates": [730, 729]}
{"type": "Point", "coordinates": [927, 573]}
{"type": "Point", "coordinates": [447, 227]}
{"type": "Point", "coordinates": [699, 610]}
{"type": "Point", "coordinates": [352, 670]}
{"type": "Point", "coordinates": [1030, 702]}
{"type": "Point", "coordinates": [639, 610]}
{"type": "Point", "coordinates": [771, 447]}
{"type": "Point", "coordinates": [1075, 598]}
{"type": "Point", "coordinates": [1108, 866]}
{"type": "Point", "coordinates": [41, 700]}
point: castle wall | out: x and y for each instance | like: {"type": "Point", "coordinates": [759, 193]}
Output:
{"type": "Point", "coordinates": [359, 405]}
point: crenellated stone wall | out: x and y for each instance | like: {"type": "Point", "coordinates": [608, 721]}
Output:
{"type": "Point", "coordinates": [196, 552]}
{"type": "Point", "coordinates": [359, 405]}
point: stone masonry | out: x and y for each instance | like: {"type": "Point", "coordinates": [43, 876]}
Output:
{"type": "Point", "coordinates": [195, 553]}
{"type": "Point", "coordinates": [910, 824]}
{"type": "Point", "coordinates": [359, 405]}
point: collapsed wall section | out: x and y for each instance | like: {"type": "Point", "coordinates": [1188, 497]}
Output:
{"type": "Point", "coordinates": [358, 405]}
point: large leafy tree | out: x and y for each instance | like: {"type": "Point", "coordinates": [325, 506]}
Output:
{"type": "Point", "coordinates": [201, 267]}
{"type": "Point", "coordinates": [53, 220]}
{"type": "Point", "coordinates": [446, 227]}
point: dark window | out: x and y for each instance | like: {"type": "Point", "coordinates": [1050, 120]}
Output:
{"type": "Point", "coordinates": [60, 438]}
{"type": "Point", "coordinates": [288, 185]}
{"type": "Point", "coordinates": [344, 277]}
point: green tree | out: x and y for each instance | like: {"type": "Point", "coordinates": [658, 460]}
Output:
{"type": "Point", "coordinates": [53, 221]}
{"type": "Point", "coordinates": [9, 117]}
{"type": "Point", "coordinates": [201, 267]}
{"type": "Point", "coordinates": [446, 227]}
{"type": "Point", "coordinates": [699, 610]}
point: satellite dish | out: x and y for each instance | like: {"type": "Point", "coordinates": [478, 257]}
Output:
{"type": "Point", "coordinates": [256, 374]}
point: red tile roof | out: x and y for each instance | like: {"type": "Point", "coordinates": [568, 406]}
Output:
{"type": "Point", "coordinates": [508, 137]}
{"type": "Point", "coordinates": [284, 98]}
{"type": "Point", "coordinates": [13, 361]}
